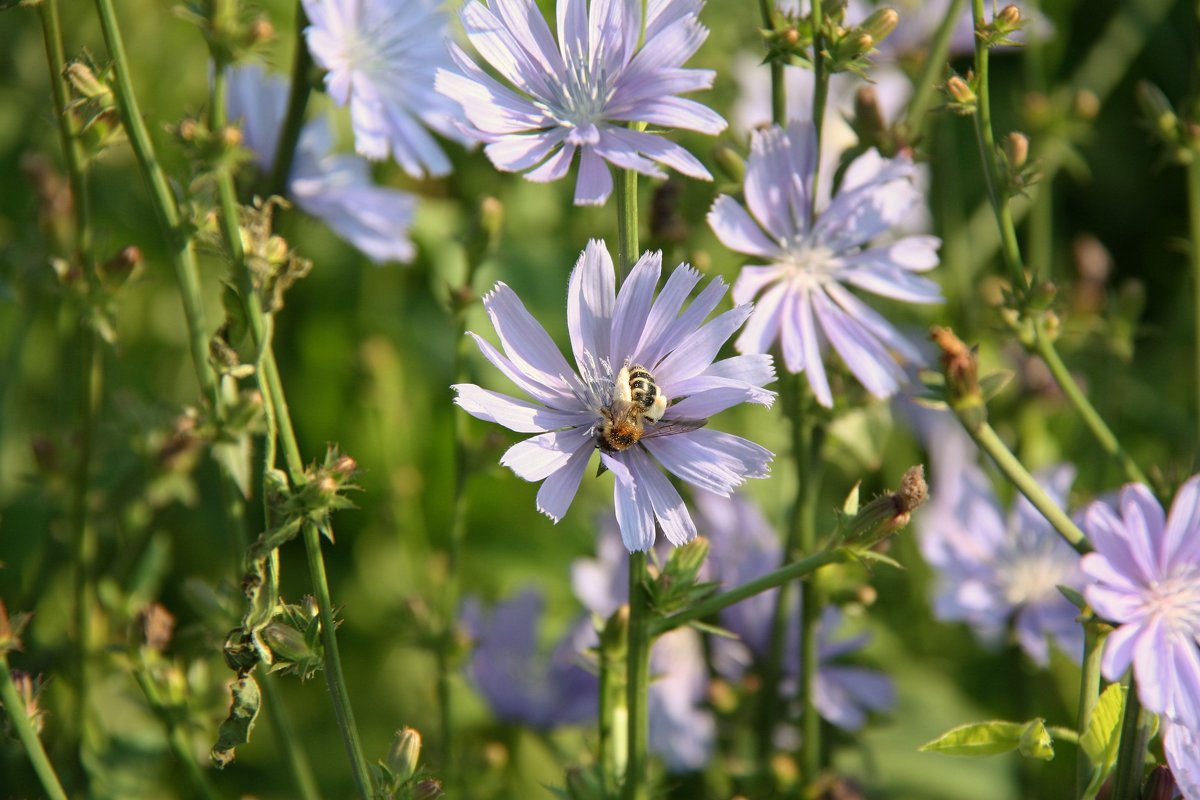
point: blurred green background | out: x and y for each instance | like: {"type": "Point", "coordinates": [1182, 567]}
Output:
{"type": "Point", "coordinates": [367, 356]}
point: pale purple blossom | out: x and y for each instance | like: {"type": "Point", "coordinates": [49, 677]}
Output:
{"type": "Point", "coordinates": [996, 571]}
{"type": "Point", "coordinates": [803, 299]}
{"type": "Point", "coordinates": [609, 331]}
{"type": "Point", "coordinates": [381, 57]}
{"type": "Point", "coordinates": [1182, 747]}
{"type": "Point", "coordinates": [744, 547]}
{"type": "Point", "coordinates": [519, 684]}
{"type": "Point", "coordinates": [335, 188]}
{"type": "Point", "coordinates": [576, 93]}
{"type": "Point", "coordinates": [682, 728]}
{"type": "Point", "coordinates": [1146, 580]}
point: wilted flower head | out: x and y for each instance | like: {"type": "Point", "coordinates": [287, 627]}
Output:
{"type": "Point", "coordinates": [610, 333]}
{"type": "Point", "coordinates": [682, 729]}
{"type": "Point", "coordinates": [803, 300]}
{"type": "Point", "coordinates": [519, 685]}
{"type": "Point", "coordinates": [576, 93]}
{"type": "Point", "coordinates": [1146, 579]}
{"type": "Point", "coordinates": [996, 570]}
{"type": "Point", "coordinates": [744, 547]}
{"type": "Point", "coordinates": [382, 56]}
{"type": "Point", "coordinates": [334, 188]}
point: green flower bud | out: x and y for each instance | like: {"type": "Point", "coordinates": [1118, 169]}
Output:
{"type": "Point", "coordinates": [405, 754]}
{"type": "Point", "coordinates": [1016, 149]}
{"type": "Point", "coordinates": [880, 24]}
{"type": "Point", "coordinates": [729, 161]}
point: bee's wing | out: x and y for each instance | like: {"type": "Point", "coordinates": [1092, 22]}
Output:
{"type": "Point", "coordinates": [673, 426]}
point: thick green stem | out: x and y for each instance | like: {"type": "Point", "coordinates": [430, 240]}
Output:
{"type": "Point", "coordinates": [1089, 693]}
{"type": "Point", "coordinates": [985, 137]}
{"type": "Point", "coordinates": [1193, 181]}
{"type": "Point", "coordinates": [935, 65]}
{"type": "Point", "coordinates": [711, 605]}
{"type": "Point", "coordinates": [1044, 345]}
{"type": "Point", "coordinates": [611, 748]}
{"type": "Point", "coordinates": [1020, 477]}
{"type": "Point", "coordinates": [18, 720]}
{"type": "Point", "coordinates": [820, 93]}
{"type": "Point", "coordinates": [334, 677]}
{"type": "Point", "coordinates": [627, 223]}
{"type": "Point", "coordinates": [778, 84]}
{"type": "Point", "coordinates": [293, 121]}
{"type": "Point", "coordinates": [182, 254]}
{"type": "Point", "coordinates": [1135, 734]}
{"type": "Point", "coordinates": [637, 671]}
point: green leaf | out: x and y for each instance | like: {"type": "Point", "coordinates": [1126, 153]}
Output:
{"type": "Point", "coordinates": [236, 728]}
{"type": "Point", "coordinates": [875, 557]}
{"type": "Point", "coordinates": [1074, 597]}
{"type": "Point", "coordinates": [991, 385]}
{"type": "Point", "coordinates": [978, 739]}
{"type": "Point", "coordinates": [1103, 734]}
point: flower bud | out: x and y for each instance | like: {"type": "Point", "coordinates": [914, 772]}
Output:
{"type": "Point", "coordinates": [1086, 104]}
{"type": "Point", "coordinates": [286, 643]}
{"type": "Point", "coordinates": [118, 269]}
{"type": "Point", "coordinates": [261, 30]}
{"type": "Point", "coordinates": [1158, 110]}
{"type": "Point", "coordinates": [1009, 17]}
{"type": "Point", "coordinates": [880, 24]}
{"type": "Point", "coordinates": [188, 130]}
{"type": "Point", "coordinates": [157, 625]}
{"type": "Point", "coordinates": [868, 116]}
{"type": "Point", "coordinates": [1035, 741]}
{"type": "Point", "coordinates": [1016, 149]}
{"type": "Point", "coordinates": [231, 136]}
{"type": "Point", "coordinates": [28, 689]}
{"type": "Point", "coordinates": [428, 789]}
{"type": "Point", "coordinates": [405, 754]}
{"type": "Point", "coordinates": [1160, 785]}
{"type": "Point", "coordinates": [960, 91]}
{"type": "Point", "coordinates": [85, 82]}
{"type": "Point", "coordinates": [729, 161]}
{"type": "Point", "coordinates": [961, 369]}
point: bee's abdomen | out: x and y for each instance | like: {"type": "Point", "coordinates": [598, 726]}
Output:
{"type": "Point", "coordinates": [642, 389]}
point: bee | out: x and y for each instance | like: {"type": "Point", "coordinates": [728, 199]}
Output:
{"type": "Point", "coordinates": [637, 403]}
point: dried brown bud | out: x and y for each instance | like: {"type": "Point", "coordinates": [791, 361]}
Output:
{"type": "Point", "coordinates": [157, 625]}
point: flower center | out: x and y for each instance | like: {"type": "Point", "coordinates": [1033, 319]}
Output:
{"type": "Point", "coordinates": [580, 100]}
{"type": "Point", "coordinates": [1176, 601]}
{"type": "Point", "coordinates": [1033, 578]}
{"type": "Point", "coordinates": [810, 265]}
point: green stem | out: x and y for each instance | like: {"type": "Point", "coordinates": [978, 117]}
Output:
{"type": "Point", "coordinates": [334, 677]}
{"type": "Point", "coordinates": [711, 605]}
{"type": "Point", "coordinates": [778, 84]}
{"type": "Point", "coordinates": [820, 93]}
{"type": "Point", "coordinates": [613, 717]}
{"type": "Point", "coordinates": [637, 686]}
{"type": "Point", "coordinates": [72, 150]}
{"type": "Point", "coordinates": [627, 223]}
{"type": "Point", "coordinates": [935, 64]}
{"type": "Point", "coordinates": [1135, 733]}
{"type": "Point", "coordinates": [182, 254]}
{"type": "Point", "coordinates": [293, 751]}
{"type": "Point", "coordinates": [1044, 346]}
{"type": "Point", "coordinates": [985, 137]}
{"type": "Point", "coordinates": [18, 719]}
{"type": "Point", "coordinates": [1193, 181]}
{"type": "Point", "coordinates": [1016, 473]}
{"type": "Point", "coordinates": [293, 121]}
{"type": "Point", "coordinates": [1089, 694]}
{"type": "Point", "coordinates": [271, 385]}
